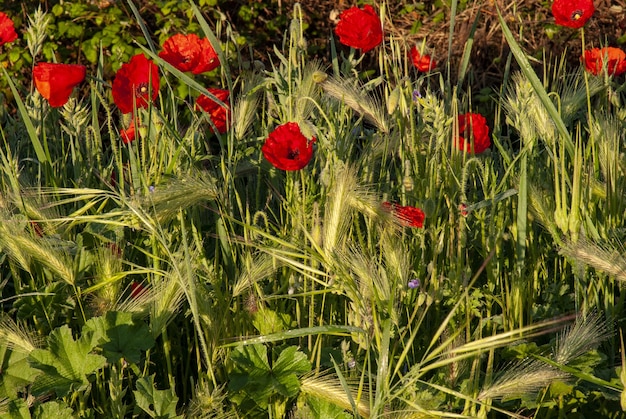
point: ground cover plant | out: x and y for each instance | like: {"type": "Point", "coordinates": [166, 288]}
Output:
{"type": "Point", "coordinates": [200, 234]}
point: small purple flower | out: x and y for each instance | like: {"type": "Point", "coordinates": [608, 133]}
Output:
{"type": "Point", "coordinates": [151, 188]}
{"type": "Point", "coordinates": [416, 95]}
{"type": "Point", "coordinates": [414, 283]}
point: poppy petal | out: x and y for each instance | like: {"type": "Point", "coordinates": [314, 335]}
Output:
{"type": "Point", "coordinates": [55, 82]}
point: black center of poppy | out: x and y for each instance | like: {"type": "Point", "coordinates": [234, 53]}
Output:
{"type": "Point", "coordinates": [292, 154]}
{"type": "Point", "coordinates": [141, 89]}
{"type": "Point", "coordinates": [577, 14]}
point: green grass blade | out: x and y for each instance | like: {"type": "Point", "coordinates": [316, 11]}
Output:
{"type": "Point", "coordinates": [298, 333]}
{"type": "Point", "coordinates": [346, 388]}
{"type": "Point", "coordinates": [467, 51]}
{"type": "Point", "coordinates": [144, 29]}
{"type": "Point", "coordinates": [32, 132]}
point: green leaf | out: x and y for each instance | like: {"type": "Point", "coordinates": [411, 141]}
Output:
{"type": "Point", "coordinates": [289, 363]}
{"type": "Point", "coordinates": [15, 409]}
{"type": "Point", "coordinates": [159, 404]}
{"type": "Point", "coordinates": [66, 363]}
{"type": "Point", "coordinates": [16, 373]}
{"type": "Point", "coordinates": [53, 409]}
{"type": "Point", "coordinates": [322, 409]}
{"type": "Point", "coordinates": [588, 361]}
{"type": "Point", "coordinates": [252, 377]}
{"type": "Point", "coordinates": [267, 321]}
{"type": "Point", "coordinates": [120, 336]}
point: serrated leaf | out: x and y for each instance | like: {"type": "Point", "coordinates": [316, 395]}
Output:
{"type": "Point", "coordinates": [159, 404]}
{"type": "Point", "coordinates": [66, 363]}
{"type": "Point", "coordinates": [53, 409]}
{"type": "Point", "coordinates": [16, 373]}
{"type": "Point", "coordinates": [289, 363]}
{"type": "Point", "coordinates": [588, 361]}
{"type": "Point", "coordinates": [251, 374]}
{"type": "Point", "coordinates": [323, 409]}
{"type": "Point", "coordinates": [267, 321]}
{"type": "Point", "coordinates": [119, 336]}
{"type": "Point", "coordinates": [253, 377]}
{"type": "Point", "coordinates": [15, 409]}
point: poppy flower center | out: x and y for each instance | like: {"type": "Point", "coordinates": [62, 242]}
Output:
{"type": "Point", "coordinates": [577, 14]}
{"type": "Point", "coordinates": [293, 154]}
{"type": "Point", "coordinates": [141, 90]}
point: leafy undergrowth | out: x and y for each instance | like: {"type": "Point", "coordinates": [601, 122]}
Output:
{"type": "Point", "coordinates": [300, 239]}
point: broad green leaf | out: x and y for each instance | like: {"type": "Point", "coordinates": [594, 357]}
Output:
{"type": "Point", "coordinates": [289, 363]}
{"type": "Point", "coordinates": [322, 409]}
{"type": "Point", "coordinates": [253, 377]}
{"type": "Point", "coordinates": [267, 321]}
{"type": "Point", "coordinates": [16, 373]}
{"type": "Point", "coordinates": [120, 336]}
{"type": "Point", "coordinates": [66, 363]}
{"type": "Point", "coordinates": [53, 409]}
{"type": "Point", "coordinates": [251, 374]}
{"type": "Point", "coordinates": [159, 404]}
{"type": "Point", "coordinates": [15, 409]}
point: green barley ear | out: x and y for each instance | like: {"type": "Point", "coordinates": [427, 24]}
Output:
{"type": "Point", "coordinates": [572, 92]}
{"type": "Point", "coordinates": [328, 388]}
{"type": "Point", "coordinates": [16, 337]}
{"type": "Point", "coordinates": [345, 194]}
{"type": "Point", "coordinates": [436, 119]}
{"type": "Point", "coordinates": [107, 279]}
{"type": "Point", "coordinates": [246, 107]}
{"type": "Point", "coordinates": [256, 269]}
{"type": "Point", "coordinates": [166, 300]}
{"type": "Point", "coordinates": [542, 207]}
{"type": "Point", "coordinates": [208, 402]}
{"type": "Point", "coordinates": [585, 335]}
{"type": "Point", "coordinates": [607, 131]}
{"type": "Point", "coordinates": [76, 116]}
{"type": "Point", "coordinates": [306, 91]}
{"type": "Point", "coordinates": [36, 32]}
{"type": "Point", "coordinates": [526, 113]}
{"type": "Point", "coordinates": [522, 378]}
{"type": "Point", "coordinates": [167, 199]}
{"type": "Point", "coordinates": [353, 95]}
{"type": "Point", "coordinates": [25, 249]}
{"type": "Point", "coordinates": [610, 261]}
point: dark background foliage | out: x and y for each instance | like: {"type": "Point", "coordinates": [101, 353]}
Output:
{"type": "Point", "coordinates": [79, 28]}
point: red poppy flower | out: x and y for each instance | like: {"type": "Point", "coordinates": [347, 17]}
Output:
{"type": "Point", "coordinates": [190, 53]}
{"type": "Point", "coordinates": [136, 83]}
{"type": "Point", "coordinates": [596, 59]}
{"type": "Point", "coordinates": [218, 113]}
{"type": "Point", "coordinates": [473, 125]}
{"type": "Point", "coordinates": [423, 63]}
{"type": "Point", "coordinates": [360, 28]}
{"type": "Point", "coordinates": [37, 228]}
{"type": "Point", "coordinates": [463, 209]}
{"type": "Point", "coordinates": [128, 135]}
{"type": "Point", "coordinates": [137, 290]}
{"type": "Point", "coordinates": [55, 82]}
{"type": "Point", "coordinates": [408, 216]}
{"type": "Point", "coordinates": [287, 149]}
{"type": "Point", "coordinates": [572, 13]}
{"type": "Point", "coordinates": [7, 29]}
